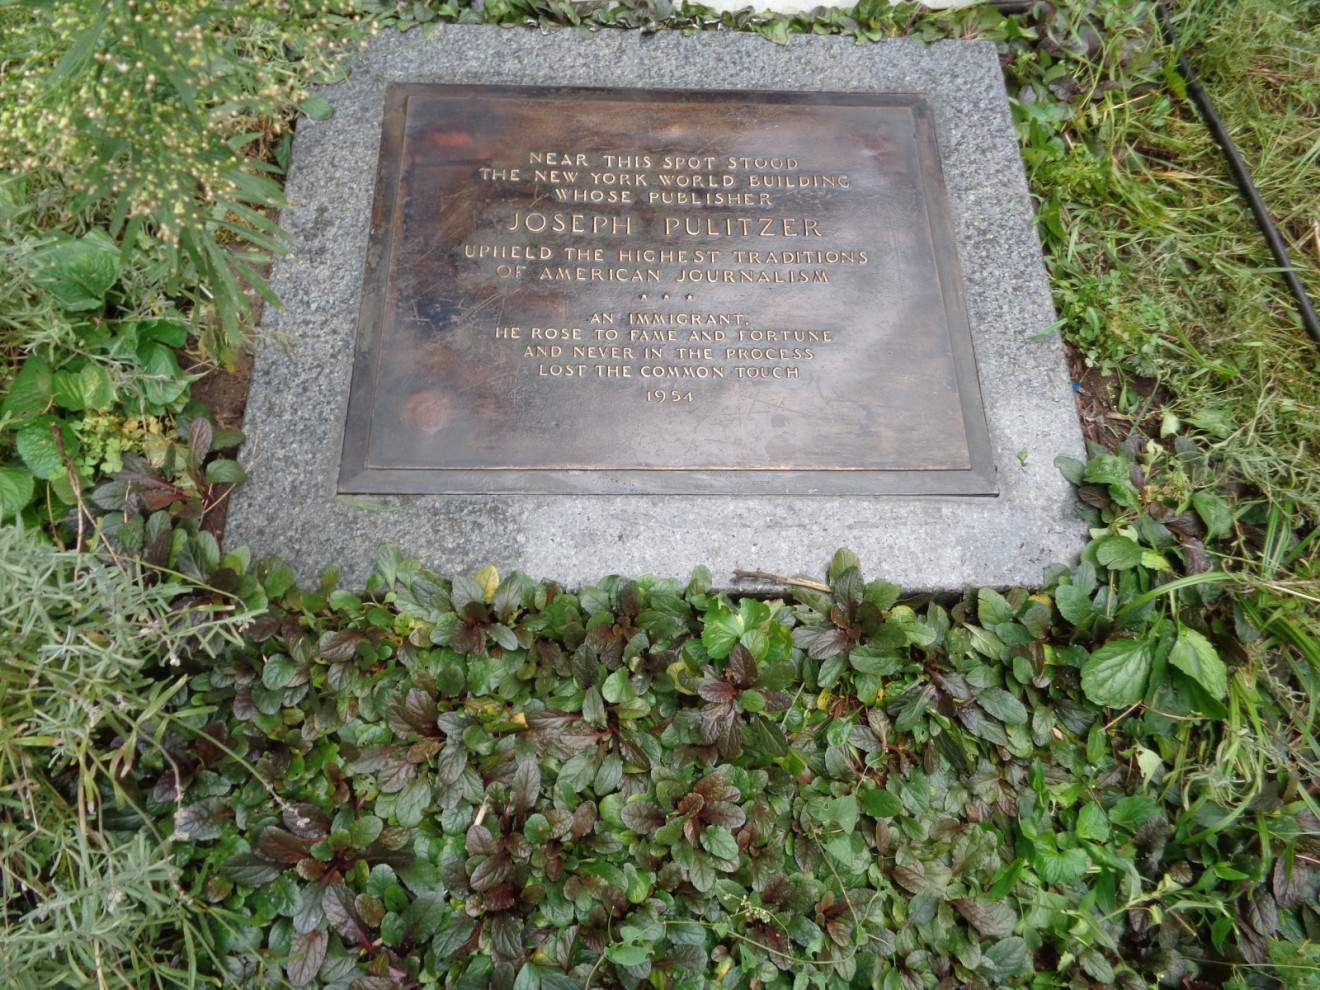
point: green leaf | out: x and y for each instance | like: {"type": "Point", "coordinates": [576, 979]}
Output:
{"type": "Point", "coordinates": [278, 671]}
{"type": "Point", "coordinates": [537, 828]}
{"type": "Point", "coordinates": [1003, 706]}
{"type": "Point", "coordinates": [1071, 468]}
{"type": "Point", "coordinates": [166, 382]}
{"type": "Point", "coordinates": [1194, 655]}
{"type": "Point", "coordinates": [721, 630]}
{"type": "Point", "coordinates": [1117, 552]}
{"type": "Point", "coordinates": [882, 594]}
{"type": "Point", "coordinates": [843, 560]}
{"type": "Point", "coordinates": [224, 472]}
{"type": "Point", "coordinates": [993, 919]}
{"type": "Point", "coordinates": [880, 804]}
{"type": "Point", "coordinates": [1132, 812]}
{"type": "Point", "coordinates": [89, 388]}
{"type": "Point", "coordinates": [412, 802]}
{"type": "Point", "coordinates": [36, 445]}
{"type": "Point", "coordinates": [1059, 865]}
{"type": "Point", "coordinates": [316, 107]}
{"type": "Point", "coordinates": [1006, 879]}
{"type": "Point", "coordinates": [457, 931]}
{"type": "Point", "coordinates": [81, 272]}
{"type": "Point", "coordinates": [1074, 604]}
{"type": "Point", "coordinates": [992, 608]}
{"type": "Point", "coordinates": [17, 487]}
{"type": "Point", "coordinates": [719, 842]}
{"type": "Point", "coordinates": [1108, 469]}
{"type": "Point", "coordinates": [628, 955]}
{"type": "Point", "coordinates": [843, 810]}
{"type": "Point", "coordinates": [1116, 674]}
{"type": "Point", "coordinates": [421, 919]}
{"type": "Point", "coordinates": [249, 870]}
{"type": "Point", "coordinates": [365, 830]}
{"type": "Point", "coordinates": [618, 687]}
{"type": "Point", "coordinates": [1092, 823]}
{"type": "Point", "coordinates": [1215, 513]}
{"type": "Point", "coordinates": [30, 393]}
{"type": "Point", "coordinates": [1007, 957]}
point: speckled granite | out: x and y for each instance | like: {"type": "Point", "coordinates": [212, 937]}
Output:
{"type": "Point", "coordinates": [296, 410]}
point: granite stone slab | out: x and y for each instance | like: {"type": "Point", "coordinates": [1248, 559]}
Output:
{"type": "Point", "coordinates": [300, 386]}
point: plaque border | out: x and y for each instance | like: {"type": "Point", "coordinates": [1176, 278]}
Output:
{"type": "Point", "coordinates": [356, 477]}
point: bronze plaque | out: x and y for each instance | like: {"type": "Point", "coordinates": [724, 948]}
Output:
{"type": "Point", "coordinates": [573, 290]}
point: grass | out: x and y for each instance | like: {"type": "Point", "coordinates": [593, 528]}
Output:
{"type": "Point", "coordinates": [1162, 268]}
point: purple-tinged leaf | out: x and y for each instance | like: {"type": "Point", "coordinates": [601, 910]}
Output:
{"type": "Point", "coordinates": [249, 870]}
{"type": "Point", "coordinates": [451, 763]}
{"type": "Point", "coordinates": [340, 909]}
{"type": "Point", "coordinates": [828, 643]}
{"type": "Point", "coordinates": [338, 646]}
{"type": "Point", "coordinates": [203, 820]}
{"type": "Point", "coordinates": [307, 952]}
{"type": "Point", "coordinates": [199, 443]}
{"type": "Point", "coordinates": [715, 785]}
{"type": "Point", "coordinates": [993, 919]}
{"type": "Point", "coordinates": [550, 718]}
{"type": "Point", "coordinates": [723, 813]}
{"type": "Point", "coordinates": [456, 932]}
{"type": "Point", "coordinates": [369, 760]}
{"type": "Point", "coordinates": [506, 936]}
{"type": "Point", "coordinates": [690, 959]}
{"type": "Point", "coordinates": [499, 899]}
{"type": "Point", "coordinates": [840, 931]}
{"type": "Point", "coordinates": [397, 773]}
{"type": "Point", "coordinates": [209, 740]}
{"type": "Point", "coordinates": [911, 877]}
{"type": "Point", "coordinates": [643, 817]}
{"type": "Point", "coordinates": [718, 692]}
{"type": "Point", "coordinates": [454, 873]}
{"type": "Point", "coordinates": [480, 841]}
{"type": "Point", "coordinates": [412, 713]}
{"type": "Point", "coordinates": [173, 783]}
{"type": "Point", "coordinates": [375, 983]}
{"type": "Point", "coordinates": [1291, 879]}
{"type": "Point", "coordinates": [263, 629]}
{"type": "Point", "coordinates": [279, 846]}
{"type": "Point", "coordinates": [978, 723]}
{"type": "Point", "coordinates": [742, 666]}
{"type": "Point", "coordinates": [584, 820]}
{"type": "Point", "coordinates": [310, 915]}
{"type": "Point", "coordinates": [490, 871]}
{"type": "Point", "coordinates": [781, 953]}
{"type": "Point", "coordinates": [421, 919]}
{"type": "Point", "coordinates": [526, 786]}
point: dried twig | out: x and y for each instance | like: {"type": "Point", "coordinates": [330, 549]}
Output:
{"type": "Point", "coordinates": [74, 483]}
{"type": "Point", "coordinates": [780, 579]}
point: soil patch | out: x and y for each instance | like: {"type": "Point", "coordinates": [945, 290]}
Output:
{"type": "Point", "coordinates": [1111, 408]}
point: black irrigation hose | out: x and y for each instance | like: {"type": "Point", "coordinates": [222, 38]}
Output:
{"type": "Point", "coordinates": [1273, 239]}
{"type": "Point", "coordinates": [1238, 167]}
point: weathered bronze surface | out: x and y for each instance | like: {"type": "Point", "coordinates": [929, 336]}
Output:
{"type": "Point", "coordinates": [636, 291]}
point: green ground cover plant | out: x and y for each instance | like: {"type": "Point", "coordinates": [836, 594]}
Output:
{"type": "Point", "coordinates": [1106, 780]}
{"type": "Point", "coordinates": [89, 662]}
